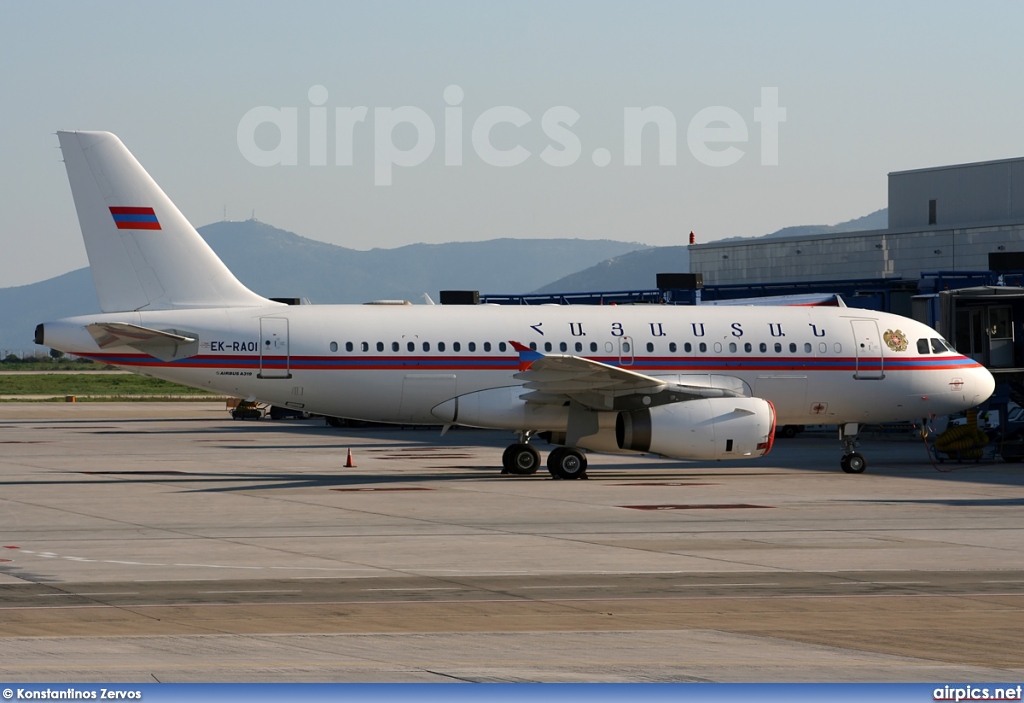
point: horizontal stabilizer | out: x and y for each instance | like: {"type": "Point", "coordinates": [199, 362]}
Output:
{"type": "Point", "coordinates": [160, 344]}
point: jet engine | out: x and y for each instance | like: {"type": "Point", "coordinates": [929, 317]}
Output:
{"type": "Point", "coordinates": [707, 428]}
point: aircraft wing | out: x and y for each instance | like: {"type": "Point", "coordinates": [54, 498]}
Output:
{"type": "Point", "coordinates": [555, 378]}
{"type": "Point", "coordinates": [163, 345]}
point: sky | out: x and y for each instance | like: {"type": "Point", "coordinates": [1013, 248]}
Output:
{"type": "Point", "coordinates": [344, 121]}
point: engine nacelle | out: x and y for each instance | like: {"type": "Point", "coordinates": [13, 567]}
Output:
{"type": "Point", "coordinates": [501, 408]}
{"type": "Point", "coordinates": [708, 428]}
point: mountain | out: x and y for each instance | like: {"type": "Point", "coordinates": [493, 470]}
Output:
{"type": "Point", "coordinates": [879, 219]}
{"type": "Point", "coordinates": [277, 263]}
{"type": "Point", "coordinates": [24, 307]}
{"type": "Point", "coordinates": [274, 262]}
{"type": "Point", "coordinates": [637, 270]}
{"type": "Point", "coordinates": [632, 271]}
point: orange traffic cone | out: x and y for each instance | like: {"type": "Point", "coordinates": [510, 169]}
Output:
{"type": "Point", "coordinates": [349, 464]}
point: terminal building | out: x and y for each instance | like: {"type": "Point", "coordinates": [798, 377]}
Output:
{"type": "Point", "coordinates": [952, 256]}
{"type": "Point", "coordinates": [949, 218]}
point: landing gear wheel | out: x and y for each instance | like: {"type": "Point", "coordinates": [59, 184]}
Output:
{"type": "Point", "coordinates": [520, 459]}
{"type": "Point", "coordinates": [567, 463]}
{"type": "Point", "coordinates": [854, 463]}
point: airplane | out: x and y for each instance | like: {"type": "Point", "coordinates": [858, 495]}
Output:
{"type": "Point", "coordinates": [686, 382]}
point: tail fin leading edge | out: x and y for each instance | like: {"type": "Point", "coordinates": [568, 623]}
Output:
{"type": "Point", "coordinates": [142, 251]}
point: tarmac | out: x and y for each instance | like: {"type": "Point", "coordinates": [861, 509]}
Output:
{"type": "Point", "coordinates": [145, 542]}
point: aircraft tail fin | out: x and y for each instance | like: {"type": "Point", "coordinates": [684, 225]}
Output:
{"type": "Point", "coordinates": [142, 251]}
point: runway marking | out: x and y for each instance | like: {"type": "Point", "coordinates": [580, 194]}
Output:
{"type": "Point", "coordinates": [279, 590]}
{"type": "Point", "coordinates": [661, 483]}
{"type": "Point", "coordinates": [110, 593]}
{"type": "Point", "coordinates": [714, 585]}
{"type": "Point", "coordinates": [413, 589]}
{"type": "Point", "coordinates": [520, 601]}
{"type": "Point", "coordinates": [709, 506]}
{"type": "Point", "coordinates": [552, 588]}
{"type": "Point", "coordinates": [877, 583]}
{"type": "Point", "coordinates": [380, 490]}
{"type": "Point", "coordinates": [103, 593]}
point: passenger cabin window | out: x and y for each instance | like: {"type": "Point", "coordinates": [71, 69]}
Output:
{"type": "Point", "coordinates": [502, 346]}
{"type": "Point", "coordinates": [487, 346]}
{"type": "Point", "coordinates": [579, 347]}
{"type": "Point", "coordinates": [672, 347]}
{"type": "Point", "coordinates": [471, 346]}
{"type": "Point", "coordinates": [687, 347]}
{"type": "Point", "coordinates": [778, 347]}
{"type": "Point", "coordinates": [593, 346]}
{"type": "Point", "coordinates": [922, 346]}
{"type": "Point", "coordinates": [747, 347]}
{"type": "Point", "coordinates": [792, 347]}
{"type": "Point", "coordinates": [547, 346]}
{"type": "Point", "coordinates": [626, 347]}
{"type": "Point", "coordinates": [348, 346]}
{"type": "Point", "coordinates": [334, 346]}
{"type": "Point", "coordinates": [650, 346]}
{"type": "Point", "coordinates": [703, 347]}
{"type": "Point", "coordinates": [394, 346]}
{"type": "Point", "coordinates": [440, 346]}
{"type": "Point", "coordinates": [732, 347]}
{"type": "Point", "coordinates": [456, 346]}
{"type": "Point", "coordinates": [411, 346]}
{"type": "Point", "coordinates": [563, 347]}
{"type": "Point", "coordinates": [533, 346]}
{"type": "Point", "coordinates": [380, 346]}
{"type": "Point", "coordinates": [365, 346]}
{"type": "Point", "coordinates": [426, 346]}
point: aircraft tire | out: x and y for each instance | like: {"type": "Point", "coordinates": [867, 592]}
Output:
{"type": "Point", "coordinates": [567, 463]}
{"type": "Point", "coordinates": [854, 463]}
{"type": "Point", "coordinates": [520, 460]}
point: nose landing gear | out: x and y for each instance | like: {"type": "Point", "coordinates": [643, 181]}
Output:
{"type": "Point", "coordinates": [852, 462]}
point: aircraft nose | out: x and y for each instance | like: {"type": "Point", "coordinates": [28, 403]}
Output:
{"type": "Point", "coordinates": [984, 383]}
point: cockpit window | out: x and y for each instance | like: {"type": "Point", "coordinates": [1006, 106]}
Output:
{"type": "Point", "coordinates": [922, 346]}
{"type": "Point", "coordinates": [940, 345]}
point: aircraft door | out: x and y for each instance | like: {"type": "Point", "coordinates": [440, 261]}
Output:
{"type": "Point", "coordinates": [275, 359]}
{"type": "Point", "coordinates": [867, 344]}
{"type": "Point", "coordinates": [626, 351]}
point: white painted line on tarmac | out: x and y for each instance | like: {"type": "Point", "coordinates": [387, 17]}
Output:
{"type": "Point", "coordinates": [105, 593]}
{"type": "Point", "coordinates": [290, 590]}
{"type": "Point", "coordinates": [109, 593]}
{"type": "Point", "coordinates": [572, 588]}
{"type": "Point", "coordinates": [713, 585]}
{"type": "Point", "coordinates": [413, 589]}
{"type": "Point", "coordinates": [822, 596]}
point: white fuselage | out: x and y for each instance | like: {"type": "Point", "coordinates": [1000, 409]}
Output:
{"type": "Point", "coordinates": [395, 363]}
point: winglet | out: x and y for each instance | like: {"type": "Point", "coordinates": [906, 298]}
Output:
{"type": "Point", "coordinates": [526, 355]}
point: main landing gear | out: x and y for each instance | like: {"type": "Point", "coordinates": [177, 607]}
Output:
{"type": "Point", "coordinates": [852, 462]}
{"type": "Point", "coordinates": [521, 459]}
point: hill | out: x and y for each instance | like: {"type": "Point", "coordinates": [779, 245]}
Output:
{"type": "Point", "coordinates": [278, 263]}
{"type": "Point", "coordinates": [637, 270]}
